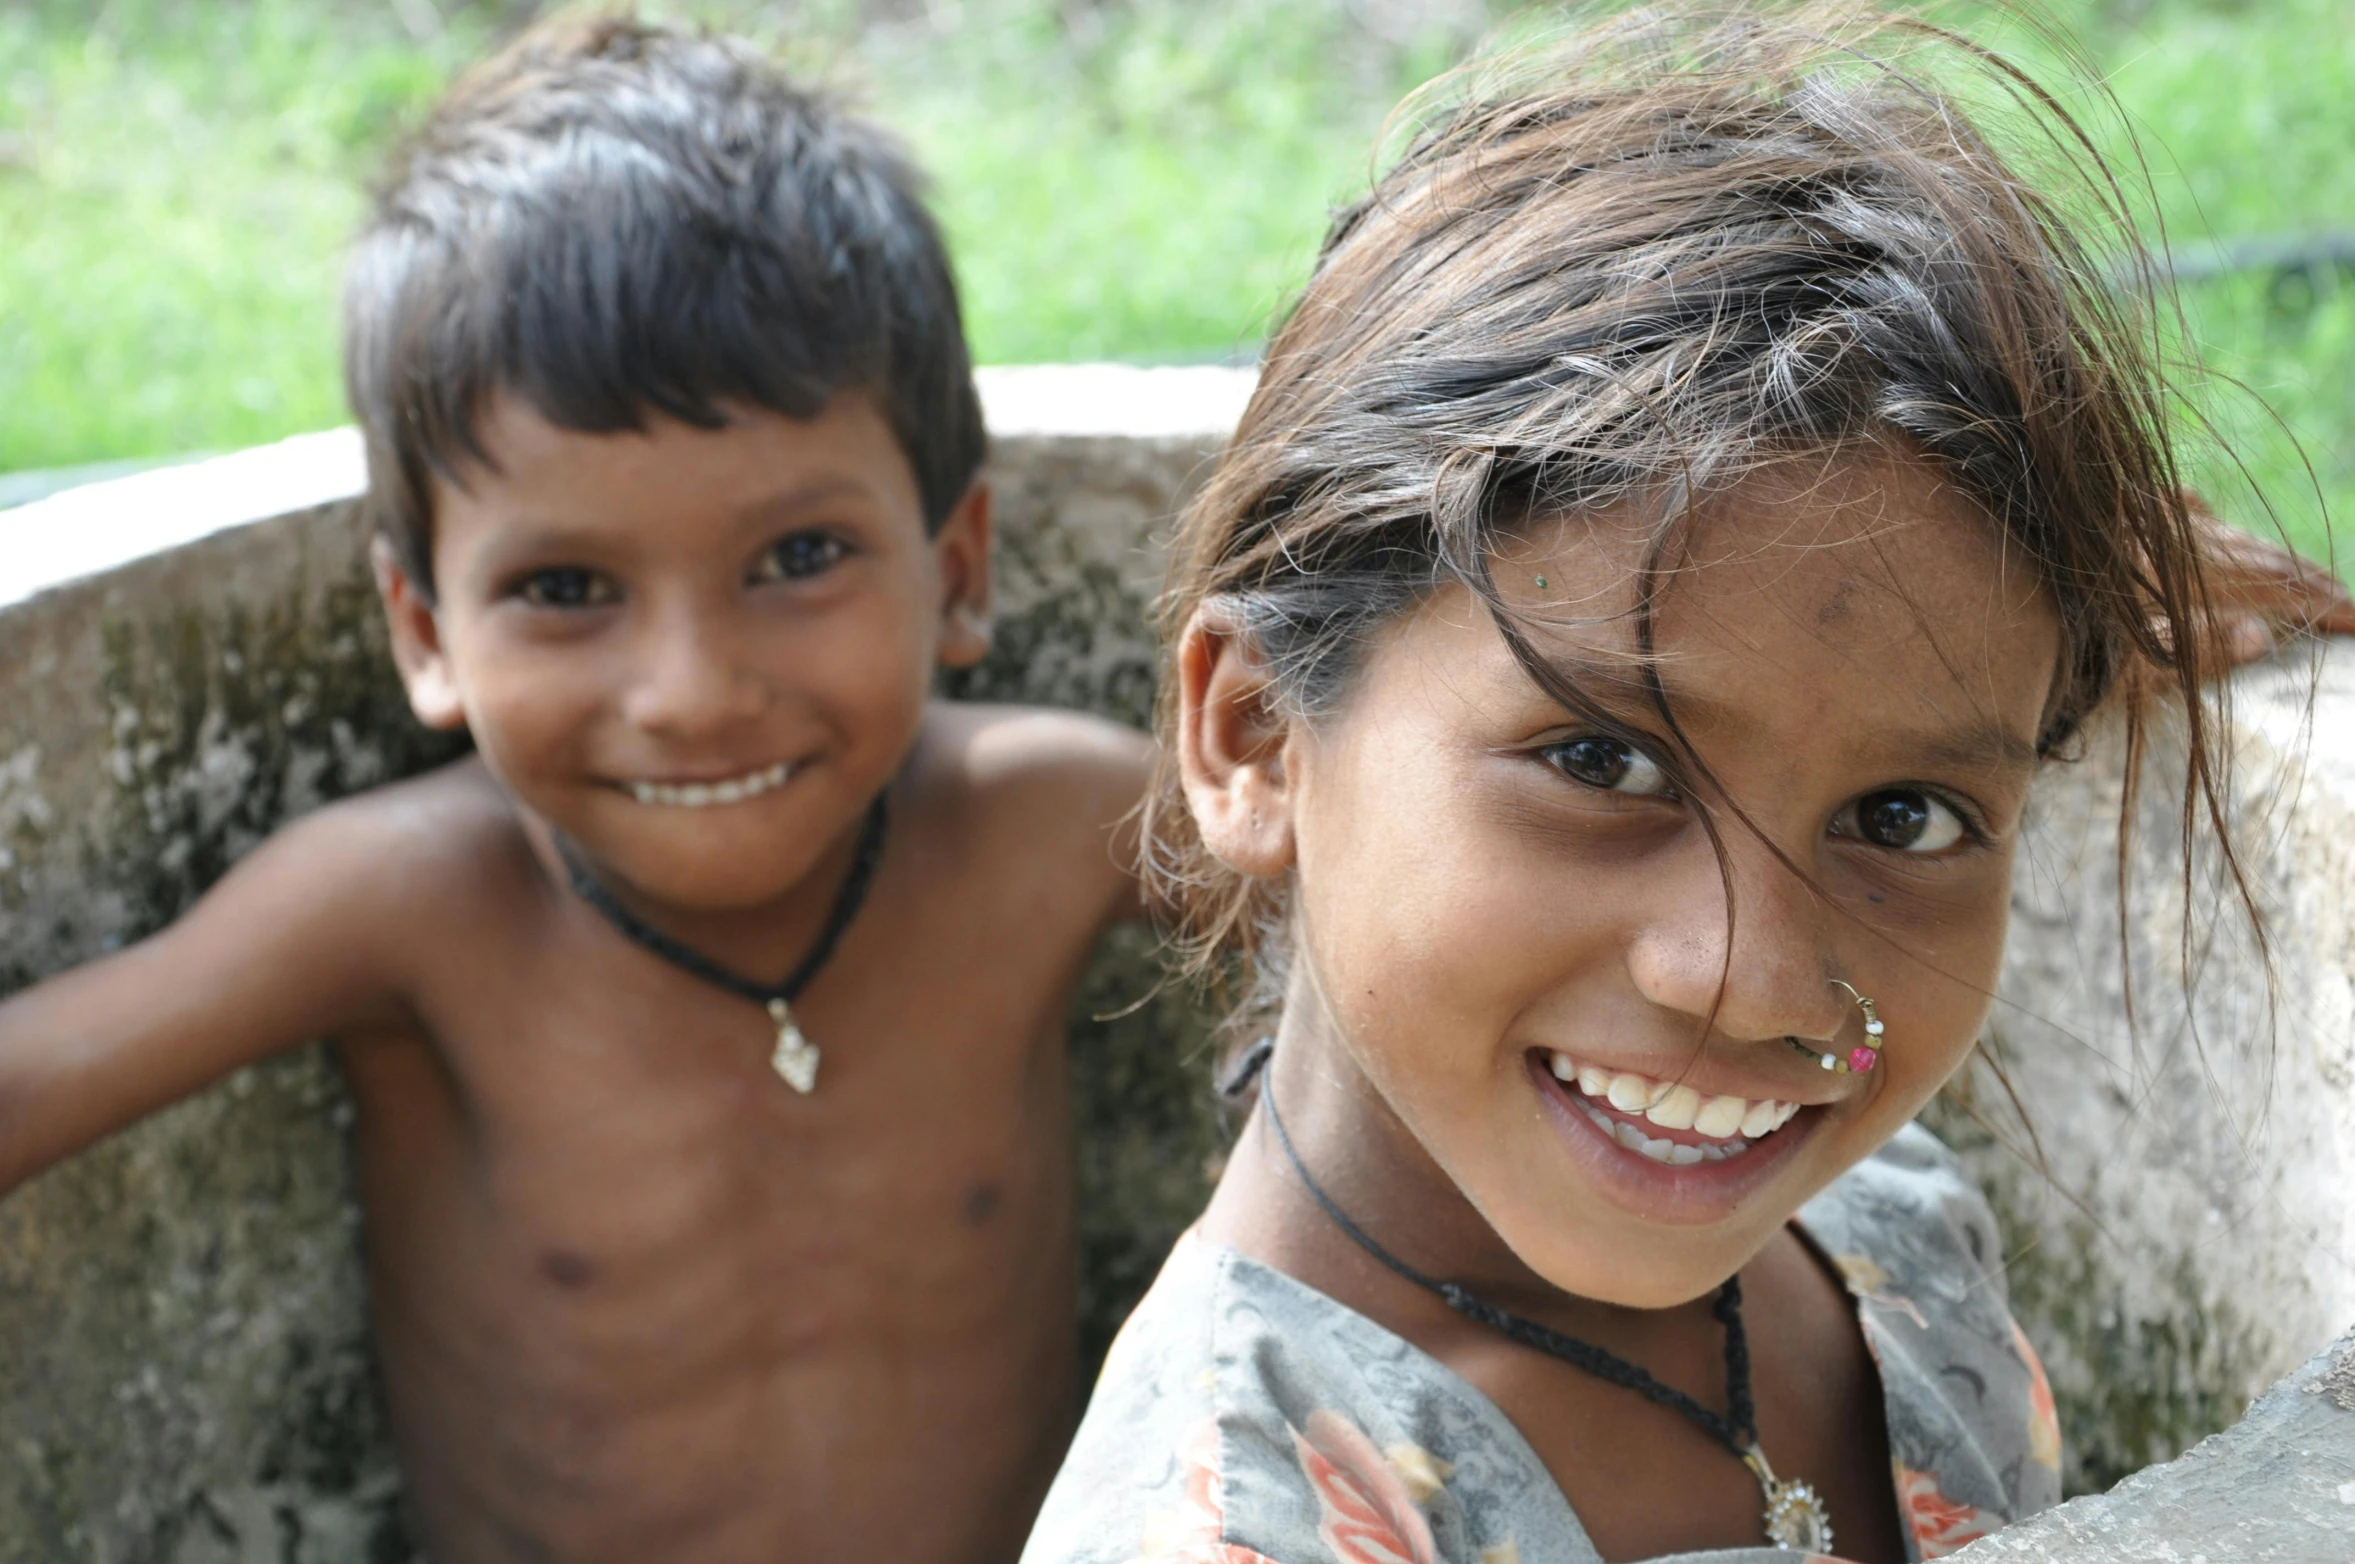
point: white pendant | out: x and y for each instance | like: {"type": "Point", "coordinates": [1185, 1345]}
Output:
{"type": "Point", "coordinates": [1795, 1517]}
{"type": "Point", "coordinates": [796, 1058]}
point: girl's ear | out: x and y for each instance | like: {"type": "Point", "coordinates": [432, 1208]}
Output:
{"type": "Point", "coordinates": [962, 547]}
{"type": "Point", "coordinates": [1231, 742]}
{"type": "Point", "coordinates": [416, 641]}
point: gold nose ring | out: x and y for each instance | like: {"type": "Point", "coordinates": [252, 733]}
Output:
{"type": "Point", "coordinates": [1860, 1059]}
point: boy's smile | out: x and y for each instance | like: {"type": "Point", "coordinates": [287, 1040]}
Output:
{"type": "Point", "coordinates": [1515, 976]}
{"type": "Point", "coordinates": [702, 795]}
{"type": "Point", "coordinates": [697, 653]}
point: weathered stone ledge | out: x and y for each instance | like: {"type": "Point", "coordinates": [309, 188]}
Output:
{"type": "Point", "coordinates": [191, 656]}
{"type": "Point", "coordinates": [2278, 1487]}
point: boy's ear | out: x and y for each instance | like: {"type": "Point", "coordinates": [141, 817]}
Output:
{"type": "Point", "coordinates": [962, 547]}
{"type": "Point", "coordinates": [1231, 741]}
{"type": "Point", "coordinates": [416, 641]}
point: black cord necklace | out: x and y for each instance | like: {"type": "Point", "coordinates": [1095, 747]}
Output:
{"type": "Point", "coordinates": [1794, 1516]}
{"type": "Point", "coordinates": [795, 1057]}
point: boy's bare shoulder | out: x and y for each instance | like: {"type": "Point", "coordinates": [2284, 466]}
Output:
{"type": "Point", "coordinates": [1019, 757]}
{"type": "Point", "coordinates": [446, 842]}
{"type": "Point", "coordinates": [1054, 788]}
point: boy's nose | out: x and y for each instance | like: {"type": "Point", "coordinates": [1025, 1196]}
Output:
{"type": "Point", "coordinates": [691, 682]}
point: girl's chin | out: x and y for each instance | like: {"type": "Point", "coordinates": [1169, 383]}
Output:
{"type": "Point", "coordinates": [1676, 1192]}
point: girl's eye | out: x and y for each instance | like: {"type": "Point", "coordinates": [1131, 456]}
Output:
{"type": "Point", "coordinates": [566, 586]}
{"type": "Point", "coordinates": [1903, 819]}
{"type": "Point", "coordinates": [1609, 764]}
{"type": "Point", "coordinates": [799, 557]}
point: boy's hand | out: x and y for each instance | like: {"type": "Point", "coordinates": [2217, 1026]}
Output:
{"type": "Point", "coordinates": [2261, 589]}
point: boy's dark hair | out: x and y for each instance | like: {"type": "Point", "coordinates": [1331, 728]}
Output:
{"type": "Point", "coordinates": [614, 220]}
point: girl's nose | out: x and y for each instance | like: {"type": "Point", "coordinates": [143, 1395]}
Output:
{"type": "Point", "coordinates": [691, 679]}
{"type": "Point", "coordinates": [1745, 946]}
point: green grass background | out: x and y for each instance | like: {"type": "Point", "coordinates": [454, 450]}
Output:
{"type": "Point", "coordinates": [1134, 179]}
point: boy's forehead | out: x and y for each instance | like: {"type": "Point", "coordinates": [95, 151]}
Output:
{"type": "Point", "coordinates": [537, 469]}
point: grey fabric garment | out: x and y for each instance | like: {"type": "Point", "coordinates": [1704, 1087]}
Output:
{"type": "Point", "coordinates": [1243, 1417]}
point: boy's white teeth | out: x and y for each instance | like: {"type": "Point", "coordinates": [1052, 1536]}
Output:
{"type": "Point", "coordinates": [697, 795]}
{"type": "Point", "coordinates": [1735, 1121]}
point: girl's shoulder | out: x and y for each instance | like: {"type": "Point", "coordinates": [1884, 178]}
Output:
{"type": "Point", "coordinates": [1243, 1417]}
{"type": "Point", "coordinates": [1973, 1435]}
{"type": "Point", "coordinates": [1911, 1205]}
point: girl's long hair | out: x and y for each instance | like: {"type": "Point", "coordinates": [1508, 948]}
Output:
{"type": "Point", "coordinates": [1659, 252]}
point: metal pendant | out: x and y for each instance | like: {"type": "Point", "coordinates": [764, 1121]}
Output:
{"type": "Point", "coordinates": [1795, 1517]}
{"type": "Point", "coordinates": [796, 1058]}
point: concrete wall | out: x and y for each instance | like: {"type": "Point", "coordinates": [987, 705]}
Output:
{"type": "Point", "coordinates": [2180, 1190]}
{"type": "Point", "coordinates": [189, 657]}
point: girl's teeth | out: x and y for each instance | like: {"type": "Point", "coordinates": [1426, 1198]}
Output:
{"type": "Point", "coordinates": [1674, 1108]}
{"type": "Point", "coordinates": [1675, 1154]}
{"type": "Point", "coordinates": [1735, 1121]}
{"type": "Point", "coordinates": [1722, 1116]}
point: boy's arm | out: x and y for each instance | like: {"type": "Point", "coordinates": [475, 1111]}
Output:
{"type": "Point", "coordinates": [289, 945]}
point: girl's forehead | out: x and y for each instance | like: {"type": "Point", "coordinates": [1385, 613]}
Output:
{"type": "Point", "coordinates": [1871, 585]}
{"type": "Point", "coordinates": [1814, 543]}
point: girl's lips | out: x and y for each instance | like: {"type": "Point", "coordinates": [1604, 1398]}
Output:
{"type": "Point", "coordinates": [1682, 1188]}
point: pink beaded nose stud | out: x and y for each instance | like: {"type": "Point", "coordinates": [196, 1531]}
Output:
{"type": "Point", "coordinates": [1859, 1059]}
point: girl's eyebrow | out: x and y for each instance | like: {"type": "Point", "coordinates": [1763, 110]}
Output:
{"type": "Point", "coordinates": [1617, 684]}
{"type": "Point", "coordinates": [1980, 745]}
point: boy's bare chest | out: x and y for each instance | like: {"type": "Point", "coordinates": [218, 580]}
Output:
{"type": "Point", "coordinates": [605, 1233]}
{"type": "Point", "coordinates": [630, 1117]}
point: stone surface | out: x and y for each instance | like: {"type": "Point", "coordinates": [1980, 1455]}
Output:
{"type": "Point", "coordinates": [190, 657]}
{"type": "Point", "coordinates": [2181, 1191]}
{"type": "Point", "coordinates": [2276, 1488]}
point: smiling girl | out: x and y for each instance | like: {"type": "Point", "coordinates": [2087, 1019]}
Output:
{"type": "Point", "coordinates": [1698, 490]}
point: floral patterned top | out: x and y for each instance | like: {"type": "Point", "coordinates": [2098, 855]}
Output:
{"type": "Point", "coordinates": [1244, 1418]}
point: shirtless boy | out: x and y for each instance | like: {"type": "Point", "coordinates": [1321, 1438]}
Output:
{"type": "Point", "coordinates": [672, 443]}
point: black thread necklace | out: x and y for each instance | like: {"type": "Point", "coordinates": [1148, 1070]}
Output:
{"type": "Point", "coordinates": [795, 1057]}
{"type": "Point", "coordinates": [1794, 1514]}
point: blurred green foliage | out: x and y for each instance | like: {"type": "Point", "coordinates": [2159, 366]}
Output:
{"type": "Point", "coordinates": [1139, 179]}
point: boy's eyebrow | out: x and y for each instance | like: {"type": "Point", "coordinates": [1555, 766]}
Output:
{"type": "Point", "coordinates": [816, 492]}
{"type": "Point", "coordinates": [536, 529]}
{"type": "Point", "coordinates": [1616, 684]}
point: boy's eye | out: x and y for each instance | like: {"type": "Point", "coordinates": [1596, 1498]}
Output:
{"type": "Point", "coordinates": [799, 557]}
{"type": "Point", "coordinates": [1609, 764]}
{"type": "Point", "coordinates": [566, 586]}
{"type": "Point", "coordinates": [1904, 819]}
